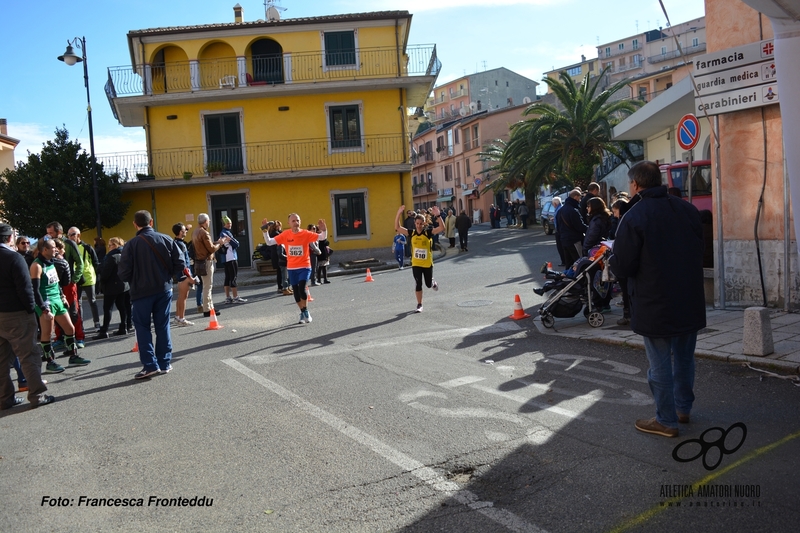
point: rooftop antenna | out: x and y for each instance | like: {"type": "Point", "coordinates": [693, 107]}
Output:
{"type": "Point", "coordinates": [272, 10]}
{"type": "Point", "coordinates": [637, 26]}
{"type": "Point", "coordinates": [484, 65]}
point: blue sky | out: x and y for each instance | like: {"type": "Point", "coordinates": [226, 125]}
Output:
{"type": "Point", "coordinates": [40, 93]}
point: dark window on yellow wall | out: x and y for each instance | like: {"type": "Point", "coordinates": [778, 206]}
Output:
{"type": "Point", "coordinates": [350, 214]}
{"type": "Point", "coordinates": [340, 48]}
{"type": "Point", "coordinates": [345, 127]}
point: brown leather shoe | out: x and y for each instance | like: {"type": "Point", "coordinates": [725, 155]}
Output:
{"type": "Point", "coordinates": [652, 426]}
{"type": "Point", "coordinates": [683, 418]}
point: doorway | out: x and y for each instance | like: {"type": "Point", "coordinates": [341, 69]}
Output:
{"type": "Point", "coordinates": [233, 206]}
{"type": "Point", "coordinates": [223, 144]}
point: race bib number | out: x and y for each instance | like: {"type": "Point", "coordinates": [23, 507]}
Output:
{"type": "Point", "coordinates": [420, 253]}
{"type": "Point", "coordinates": [296, 251]}
{"type": "Point", "coordinates": [52, 277]}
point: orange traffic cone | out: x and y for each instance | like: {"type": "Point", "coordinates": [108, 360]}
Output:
{"type": "Point", "coordinates": [549, 265]}
{"type": "Point", "coordinates": [308, 295]}
{"type": "Point", "coordinates": [369, 276]}
{"type": "Point", "coordinates": [135, 346]}
{"type": "Point", "coordinates": [519, 312]}
{"type": "Point", "coordinates": [213, 323]}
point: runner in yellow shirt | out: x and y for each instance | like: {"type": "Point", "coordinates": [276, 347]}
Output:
{"type": "Point", "coordinates": [421, 243]}
{"type": "Point", "coordinates": [298, 260]}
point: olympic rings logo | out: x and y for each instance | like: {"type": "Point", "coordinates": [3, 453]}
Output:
{"type": "Point", "coordinates": [706, 446]}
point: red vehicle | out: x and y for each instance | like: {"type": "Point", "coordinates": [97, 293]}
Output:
{"type": "Point", "coordinates": [674, 175]}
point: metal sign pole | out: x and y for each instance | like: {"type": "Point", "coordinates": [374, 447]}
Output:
{"type": "Point", "coordinates": [690, 181]}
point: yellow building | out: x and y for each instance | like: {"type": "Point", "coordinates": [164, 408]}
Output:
{"type": "Point", "coordinates": [265, 118]}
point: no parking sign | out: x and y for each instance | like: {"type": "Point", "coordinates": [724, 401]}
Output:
{"type": "Point", "coordinates": [688, 132]}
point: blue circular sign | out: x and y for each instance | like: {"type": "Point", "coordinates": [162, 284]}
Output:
{"type": "Point", "coordinates": [688, 132]}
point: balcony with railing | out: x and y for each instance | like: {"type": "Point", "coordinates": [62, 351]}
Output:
{"type": "Point", "coordinates": [185, 81]}
{"type": "Point", "coordinates": [258, 158]}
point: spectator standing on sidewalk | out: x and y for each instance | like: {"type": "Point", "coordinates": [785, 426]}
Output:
{"type": "Point", "coordinates": [148, 264]}
{"type": "Point", "coordinates": [18, 326]}
{"type": "Point", "coordinates": [91, 269]}
{"type": "Point", "coordinates": [115, 291]}
{"type": "Point", "coordinates": [659, 248]}
{"type": "Point", "coordinates": [522, 210]}
{"type": "Point", "coordinates": [231, 263]}
{"type": "Point", "coordinates": [592, 191]}
{"type": "Point", "coordinates": [204, 250]}
{"type": "Point", "coordinates": [558, 205]}
{"type": "Point", "coordinates": [184, 282]}
{"type": "Point", "coordinates": [571, 227]}
{"type": "Point", "coordinates": [408, 224]}
{"type": "Point", "coordinates": [450, 227]}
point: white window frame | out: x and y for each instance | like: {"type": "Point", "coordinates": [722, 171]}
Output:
{"type": "Point", "coordinates": [334, 214]}
{"type": "Point", "coordinates": [331, 149]}
{"type": "Point", "coordinates": [325, 67]}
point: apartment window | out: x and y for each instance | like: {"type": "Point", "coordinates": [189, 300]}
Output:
{"type": "Point", "coordinates": [466, 139]}
{"type": "Point", "coordinates": [345, 126]}
{"type": "Point", "coordinates": [663, 50]}
{"type": "Point", "coordinates": [448, 173]}
{"type": "Point", "coordinates": [429, 151]}
{"type": "Point", "coordinates": [609, 66]}
{"type": "Point", "coordinates": [635, 44]}
{"type": "Point", "coordinates": [574, 71]}
{"type": "Point", "coordinates": [458, 170]}
{"type": "Point", "coordinates": [591, 67]}
{"type": "Point", "coordinates": [622, 62]}
{"type": "Point", "coordinates": [621, 46]}
{"type": "Point", "coordinates": [608, 51]}
{"type": "Point", "coordinates": [449, 142]}
{"type": "Point", "coordinates": [350, 213]}
{"type": "Point", "coordinates": [452, 109]}
{"type": "Point", "coordinates": [695, 42]}
{"type": "Point", "coordinates": [474, 137]}
{"type": "Point", "coordinates": [506, 84]}
{"type": "Point", "coordinates": [439, 143]}
{"type": "Point", "coordinates": [466, 167]}
{"type": "Point", "coordinates": [224, 142]}
{"type": "Point", "coordinates": [455, 134]}
{"type": "Point", "coordinates": [340, 48]}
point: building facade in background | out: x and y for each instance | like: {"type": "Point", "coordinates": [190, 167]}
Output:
{"type": "Point", "coordinates": [260, 119]}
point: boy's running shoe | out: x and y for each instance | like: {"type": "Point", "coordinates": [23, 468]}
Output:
{"type": "Point", "coordinates": [77, 360]}
{"type": "Point", "coordinates": [53, 368]}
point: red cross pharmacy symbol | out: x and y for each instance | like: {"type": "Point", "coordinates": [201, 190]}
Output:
{"type": "Point", "coordinates": [767, 50]}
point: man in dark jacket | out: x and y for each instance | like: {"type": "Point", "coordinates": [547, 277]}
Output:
{"type": "Point", "coordinates": [408, 223]}
{"type": "Point", "coordinates": [571, 227]}
{"type": "Point", "coordinates": [659, 248]}
{"type": "Point", "coordinates": [149, 262]}
{"type": "Point", "coordinates": [463, 223]}
{"type": "Point", "coordinates": [18, 326]}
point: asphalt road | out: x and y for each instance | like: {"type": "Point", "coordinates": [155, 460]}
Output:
{"type": "Point", "coordinates": [375, 418]}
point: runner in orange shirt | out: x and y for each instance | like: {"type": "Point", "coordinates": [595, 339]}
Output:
{"type": "Point", "coordinates": [298, 259]}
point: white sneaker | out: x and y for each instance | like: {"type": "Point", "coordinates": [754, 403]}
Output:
{"type": "Point", "coordinates": [182, 322]}
{"type": "Point", "coordinates": [239, 300]}
{"type": "Point", "coordinates": [435, 286]}
{"type": "Point", "coordinates": [419, 308]}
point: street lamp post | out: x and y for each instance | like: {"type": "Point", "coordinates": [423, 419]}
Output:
{"type": "Point", "coordinates": [70, 58]}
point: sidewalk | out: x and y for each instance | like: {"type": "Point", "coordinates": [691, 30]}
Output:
{"type": "Point", "coordinates": [721, 339]}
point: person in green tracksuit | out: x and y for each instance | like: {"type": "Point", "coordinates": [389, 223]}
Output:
{"type": "Point", "coordinates": [51, 306]}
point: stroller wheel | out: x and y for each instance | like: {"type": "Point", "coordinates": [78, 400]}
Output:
{"type": "Point", "coordinates": [548, 321]}
{"type": "Point", "coordinates": [596, 319]}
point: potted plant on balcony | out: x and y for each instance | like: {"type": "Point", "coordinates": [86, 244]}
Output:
{"type": "Point", "coordinates": [143, 177]}
{"type": "Point", "coordinates": [215, 168]}
{"type": "Point", "coordinates": [187, 176]}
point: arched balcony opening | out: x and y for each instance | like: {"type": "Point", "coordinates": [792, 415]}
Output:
{"type": "Point", "coordinates": [266, 62]}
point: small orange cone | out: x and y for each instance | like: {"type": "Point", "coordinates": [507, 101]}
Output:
{"type": "Point", "coordinates": [135, 346]}
{"type": "Point", "coordinates": [549, 265]}
{"type": "Point", "coordinates": [369, 276]}
{"type": "Point", "coordinates": [519, 312]}
{"type": "Point", "coordinates": [308, 295]}
{"type": "Point", "coordinates": [213, 323]}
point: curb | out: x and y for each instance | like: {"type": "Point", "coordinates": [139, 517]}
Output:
{"type": "Point", "coordinates": [759, 362]}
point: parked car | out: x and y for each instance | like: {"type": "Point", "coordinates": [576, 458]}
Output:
{"type": "Point", "coordinates": [562, 193]}
{"type": "Point", "coordinates": [548, 216]}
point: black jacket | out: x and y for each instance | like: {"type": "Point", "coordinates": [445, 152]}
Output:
{"type": "Point", "coordinates": [599, 227]}
{"type": "Point", "coordinates": [112, 285]}
{"type": "Point", "coordinates": [146, 273]}
{"type": "Point", "coordinates": [16, 292]}
{"type": "Point", "coordinates": [659, 248]}
{"type": "Point", "coordinates": [571, 227]}
{"type": "Point", "coordinates": [463, 223]}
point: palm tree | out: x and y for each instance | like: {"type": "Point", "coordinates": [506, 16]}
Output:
{"type": "Point", "coordinates": [566, 143]}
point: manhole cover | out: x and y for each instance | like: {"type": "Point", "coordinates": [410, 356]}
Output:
{"type": "Point", "coordinates": [475, 303]}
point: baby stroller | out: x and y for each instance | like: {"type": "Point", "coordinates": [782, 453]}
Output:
{"type": "Point", "coordinates": [573, 290]}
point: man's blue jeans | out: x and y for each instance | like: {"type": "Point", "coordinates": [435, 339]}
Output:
{"type": "Point", "coordinates": [157, 307]}
{"type": "Point", "coordinates": [671, 375]}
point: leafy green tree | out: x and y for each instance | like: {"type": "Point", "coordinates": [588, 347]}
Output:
{"type": "Point", "coordinates": [57, 185]}
{"type": "Point", "coordinates": [565, 142]}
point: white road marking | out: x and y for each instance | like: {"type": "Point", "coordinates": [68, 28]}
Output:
{"type": "Point", "coordinates": [467, 412]}
{"type": "Point", "coordinates": [408, 464]}
{"type": "Point", "coordinates": [466, 380]}
{"type": "Point", "coordinates": [585, 368]}
{"type": "Point", "coordinates": [434, 335]}
{"type": "Point", "coordinates": [575, 415]}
